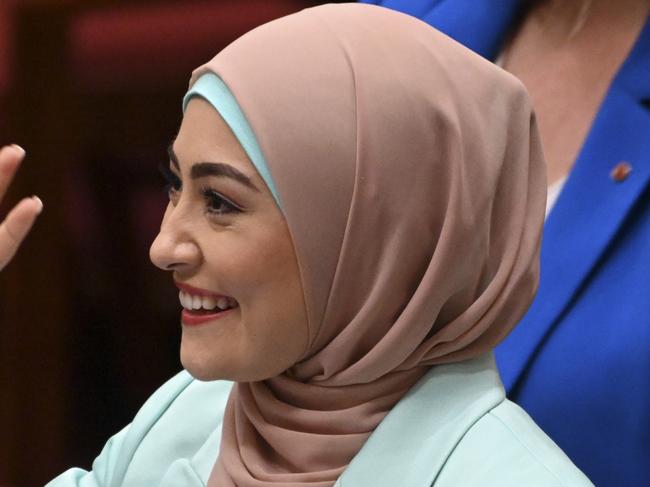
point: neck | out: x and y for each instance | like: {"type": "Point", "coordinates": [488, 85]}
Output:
{"type": "Point", "coordinates": [564, 20]}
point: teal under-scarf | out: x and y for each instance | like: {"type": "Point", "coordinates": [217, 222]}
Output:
{"type": "Point", "coordinates": [212, 88]}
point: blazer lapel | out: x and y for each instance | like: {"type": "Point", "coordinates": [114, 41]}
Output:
{"type": "Point", "coordinates": [591, 208]}
{"type": "Point", "coordinates": [411, 445]}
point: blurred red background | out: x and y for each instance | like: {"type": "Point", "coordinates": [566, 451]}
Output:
{"type": "Point", "coordinates": [88, 326]}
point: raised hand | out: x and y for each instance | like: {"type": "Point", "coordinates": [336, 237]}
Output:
{"type": "Point", "coordinates": [21, 217]}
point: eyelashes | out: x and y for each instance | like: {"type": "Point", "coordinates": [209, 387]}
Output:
{"type": "Point", "coordinates": [216, 204]}
{"type": "Point", "coordinates": [172, 182]}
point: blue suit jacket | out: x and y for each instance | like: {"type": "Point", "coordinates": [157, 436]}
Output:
{"type": "Point", "coordinates": [579, 361]}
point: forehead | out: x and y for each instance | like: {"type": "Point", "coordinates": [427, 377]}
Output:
{"type": "Point", "coordinates": [205, 136]}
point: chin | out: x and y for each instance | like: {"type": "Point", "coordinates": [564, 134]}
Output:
{"type": "Point", "coordinates": [208, 369]}
{"type": "Point", "coordinates": [201, 367]}
{"type": "Point", "coordinates": [206, 359]}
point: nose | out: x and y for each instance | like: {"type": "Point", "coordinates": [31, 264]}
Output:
{"type": "Point", "coordinates": [173, 249]}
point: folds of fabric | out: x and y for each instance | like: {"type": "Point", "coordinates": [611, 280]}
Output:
{"type": "Point", "coordinates": [413, 185]}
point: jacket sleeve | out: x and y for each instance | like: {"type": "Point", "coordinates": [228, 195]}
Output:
{"type": "Point", "coordinates": [102, 469]}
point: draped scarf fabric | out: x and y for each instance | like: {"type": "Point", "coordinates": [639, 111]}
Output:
{"type": "Point", "coordinates": [413, 184]}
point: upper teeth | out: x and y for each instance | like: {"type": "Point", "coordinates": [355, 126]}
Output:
{"type": "Point", "coordinates": [189, 301]}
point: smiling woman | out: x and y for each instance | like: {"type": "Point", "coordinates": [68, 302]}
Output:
{"type": "Point", "coordinates": [362, 199]}
{"type": "Point", "coordinates": [224, 237]}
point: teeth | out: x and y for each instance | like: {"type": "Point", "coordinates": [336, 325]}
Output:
{"type": "Point", "coordinates": [208, 302]}
{"type": "Point", "coordinates": [185, 299]}
{"type": "Point", "coordinates": [191, 302]}
{"type": "Point", "coordinates": [222, 303]}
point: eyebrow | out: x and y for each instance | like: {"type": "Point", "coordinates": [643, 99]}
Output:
{"type": "Point", "coordinates": [218, 169]}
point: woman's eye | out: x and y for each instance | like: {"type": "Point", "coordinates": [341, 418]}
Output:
{"type": "Point", "coordinates": [173, 183]}
{"type": "Point", "coordinates": [217, 204]}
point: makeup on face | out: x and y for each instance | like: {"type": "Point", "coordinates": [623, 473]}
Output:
{"type": "Point", "coordinates": [228, 245]}
{"type": "Point", "coordinates": [217, 203]}
{"type": "Point", "coordinates": [218, 169]}
{"type": "Point", "coordinates": [201, 306]}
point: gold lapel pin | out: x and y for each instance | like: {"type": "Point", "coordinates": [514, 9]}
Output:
{"type": "Point", "coordinates": [621, 171]}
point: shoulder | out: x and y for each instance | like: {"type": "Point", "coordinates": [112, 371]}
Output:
{"type": "Point", "coordinates": [175, 423]}
{"type": "Point", "coordinates": [178, 425]}
{"type": "Point", "coordinates": [456, 428]}
{"type": "Point", "coordinates": [506, 448]}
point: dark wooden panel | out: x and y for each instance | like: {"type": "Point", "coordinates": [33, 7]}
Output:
{"type": "Point", "coordinates": [88, 327]}
{"type": "Point", "coordinates": [35, 301]}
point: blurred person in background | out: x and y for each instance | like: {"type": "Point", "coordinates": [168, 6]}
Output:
{"type": "Point", "coordinates": [351, 340]}
{"type": "Point", "coordinates": [579, 361]}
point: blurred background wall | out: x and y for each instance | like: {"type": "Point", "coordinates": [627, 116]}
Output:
{"type": "Point", "coordinates": [89, 328]}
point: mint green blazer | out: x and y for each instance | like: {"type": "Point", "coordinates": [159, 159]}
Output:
{"type": "Point", "coordinates": [454, 428]}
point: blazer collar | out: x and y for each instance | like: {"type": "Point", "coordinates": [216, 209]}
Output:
{"type": "Point", "coordinates": [415, 439]}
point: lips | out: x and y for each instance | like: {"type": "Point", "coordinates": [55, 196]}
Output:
{"type": "Point", "coordinates": [200, 317]}
{"type": "Point", "coordinates": [201, 306]}
{"type": "Point", "coordinates": [197, 291]}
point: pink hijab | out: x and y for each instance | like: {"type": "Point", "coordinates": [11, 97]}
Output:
{"type": "Point", "coordinates": [413, 184]}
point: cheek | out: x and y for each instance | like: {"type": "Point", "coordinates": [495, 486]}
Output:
{"type": "Point", "coordinates": [258, 267]}
{"type": "Point", "coordinates": [269, 333]}
{"type": "Point", "coordinates": [266, 281]}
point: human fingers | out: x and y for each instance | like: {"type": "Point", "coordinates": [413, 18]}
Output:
{"type": "Point", "coordinates": [10, 158]}
{"type": "Point", "coordinates": [16, 226]}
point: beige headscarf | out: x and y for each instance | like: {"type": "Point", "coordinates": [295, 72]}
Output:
{"type": "Point", "coordinates": [413, 184]}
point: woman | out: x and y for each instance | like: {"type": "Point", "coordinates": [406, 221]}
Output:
{"type": "Point", "coordinates": [359, 215]}
{"type": "Point", "coordinates": [579, 360]}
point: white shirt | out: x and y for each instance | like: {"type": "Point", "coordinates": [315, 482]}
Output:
{"type": "Point", "coordinates": [553, 193]}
